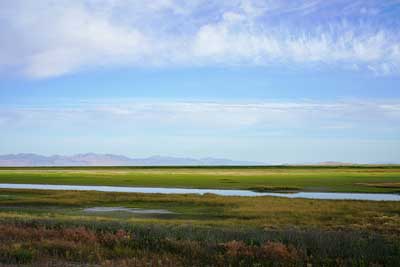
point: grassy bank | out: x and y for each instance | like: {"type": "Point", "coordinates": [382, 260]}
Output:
{"type": "Point", "coordinates": [301, 178]}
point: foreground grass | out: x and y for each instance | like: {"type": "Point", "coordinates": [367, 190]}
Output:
{"type": "Point", "coordinates": [57, 243]}
{"type": "Point", "coordinates": [50, 228]}
{"type": "Point", "coordinates": [302, 178]}
{"type": "Point", "coordinates": [207, 210]}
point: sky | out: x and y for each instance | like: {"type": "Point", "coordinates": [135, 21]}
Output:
{"type": "Point", "coordinates": [275, 81]}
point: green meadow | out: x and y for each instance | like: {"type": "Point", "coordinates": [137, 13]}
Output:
{"type": "Point", "coordinates": [281, 178]}
{"type": "Point", "coordinates": [47, 227]}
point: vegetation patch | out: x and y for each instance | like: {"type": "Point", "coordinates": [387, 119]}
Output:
{"type": "Point", "coordinates": [41, 242]}
{"type": "Point", "coordinates": [382, 185]}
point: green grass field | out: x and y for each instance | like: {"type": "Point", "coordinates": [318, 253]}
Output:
{"type": "Point", "coordinates": [43, 227]}
{"type": "Point", "coordinates": [302, 178]}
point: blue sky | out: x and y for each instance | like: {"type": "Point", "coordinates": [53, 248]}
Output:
{"type": "Point", "coordinates": [272, 81]}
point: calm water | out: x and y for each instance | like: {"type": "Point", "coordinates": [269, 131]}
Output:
{"type": "Point", "coordinates": [130, 210]}
{"type": "Point", "coordinates": [221, 192]}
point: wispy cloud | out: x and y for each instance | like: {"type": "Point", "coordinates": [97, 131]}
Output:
{"type": "Point", "coordinates": [50, 38]}
{"type": "Point", "coordinates": [264, 118]}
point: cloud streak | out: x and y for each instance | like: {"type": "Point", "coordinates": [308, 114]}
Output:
{"type": "Point", "coordinates": [48, 38]}
{"type": "Point", "coordinates": [264, 118]}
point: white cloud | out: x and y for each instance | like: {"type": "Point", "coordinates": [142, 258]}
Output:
{"type": "Point", "coordinates": [70, 37]}
{"type": "Point", "coordinates": [49, 38]}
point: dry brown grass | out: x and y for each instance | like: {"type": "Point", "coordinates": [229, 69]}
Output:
{"type": "Point", "coordinates": [46, 244]}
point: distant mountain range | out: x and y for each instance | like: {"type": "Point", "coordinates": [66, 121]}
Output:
{"type": "Point", "coordinates": [92, 159]}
